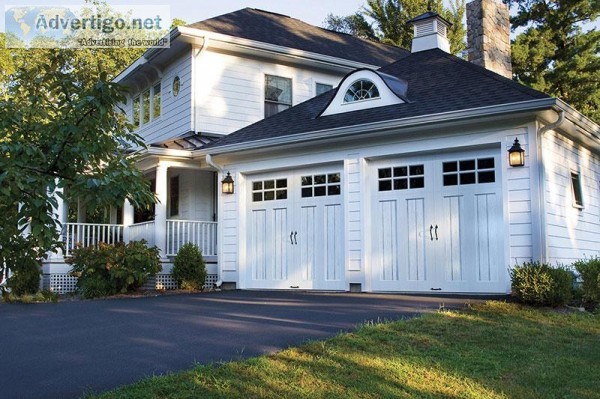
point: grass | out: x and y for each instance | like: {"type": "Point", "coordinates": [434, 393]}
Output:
{"type": "Point", "coordinates": [494, 350]}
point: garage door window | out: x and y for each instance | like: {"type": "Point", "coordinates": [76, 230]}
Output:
{"type": "Point", "coordinates": [469, 171]}
{"type": "Point", "coordinates": [269, 190]}
{"type": "Point", "coordinates": [401, 177]}
{"type": "Point", "coordinates": [321, 185]}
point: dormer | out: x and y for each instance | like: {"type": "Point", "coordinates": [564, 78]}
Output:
{"type": "Point", "coordinates": [366, 88]}
{"type": "Point", "coordinates": [430, 31]}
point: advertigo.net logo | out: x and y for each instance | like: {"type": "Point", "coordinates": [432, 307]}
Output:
{"type": "Point", "coordinates": [87, 26]}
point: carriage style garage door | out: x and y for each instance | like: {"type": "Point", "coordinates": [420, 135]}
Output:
{"type": "Point", "coordinates": [295, 233]}
{"type": "Point", "coordinates": [438, 224]}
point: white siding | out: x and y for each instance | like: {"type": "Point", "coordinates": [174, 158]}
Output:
{"type": "Point", "coordinates": [572, 233]}
{"type": "Point", "coordinates": [353, 196]}
{"type": "Point", "coordinates": [176, 113]}
{"type": "Point", "coordinates": [230, 89]}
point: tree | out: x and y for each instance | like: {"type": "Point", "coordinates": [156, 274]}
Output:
{"type": "Point", "coordinates": [177, 22]}
{"type": "Point", "coordinates": [390, 20]}
{"type": "Point", "coordinates": [60, 137]}
{"type": "Point", "coordinates": [555, 54]}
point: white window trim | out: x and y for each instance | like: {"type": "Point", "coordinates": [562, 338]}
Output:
{"type": "Point", "coordinates": [344, 102]}
{"type": "Point", "coordinates": [573, 188]}
{"type": "Point", "coordinates": [140, 96]}
{"type": "Point", "coordinates": [264, 87]}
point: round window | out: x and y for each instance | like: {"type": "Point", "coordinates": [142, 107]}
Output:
{"type": "Point", "coordinates": [176, 86]}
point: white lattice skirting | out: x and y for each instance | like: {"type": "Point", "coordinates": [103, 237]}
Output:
{"type": "Point", "coordinates": [63, 283]}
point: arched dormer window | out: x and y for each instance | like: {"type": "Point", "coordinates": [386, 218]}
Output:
{"type": "Point", "coordinates": [362, 89]}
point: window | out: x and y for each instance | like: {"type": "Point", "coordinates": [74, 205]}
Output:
{"type": "Point", "coordinates": [361, 90]}
{"type": "Point", "coordinates": [174, 196]}
{"type": "Point", "coordinates": [156, 101]}
{"type": "Point", "coordinates": [323, 88]}
{"type": "Point", "coordinates": [321, 185]}
{"type": "Point", "coordinates": [469, 171]}
{"type": "Point", "coordinates": [146, 107]}
{"type": "Point", "coordinates": [269, 190]}
{"type": "Point", "coordinates": [176, 86]}
{"type": "Point", "coordinates": [136, 112]}
{"type": "Point", "coordinates": [576, 188]}
{"type": "Point", "coordinates": [401, 177]}
{"type": "Point", "coordinates": [278, 94]}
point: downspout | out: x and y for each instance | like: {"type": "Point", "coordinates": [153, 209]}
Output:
{"type": "Point", "coordinates": [542, 182]}
{"type": "Point", "coordinates": [212, 164]}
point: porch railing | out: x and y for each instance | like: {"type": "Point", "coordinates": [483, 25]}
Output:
{"type": "Point", "coordinates": [90, 234]}
{"type": "Point", "coordinates": [142, 231]}
{"type": "Point", "coordinates": [202, 234]}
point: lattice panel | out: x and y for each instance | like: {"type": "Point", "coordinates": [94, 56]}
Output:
{"type": "Point", "coordinates": [62, 283]}
{"type": "Point", "coordinates": [210, 281]}
{"type": "Point", "coordinates": [165, 282]}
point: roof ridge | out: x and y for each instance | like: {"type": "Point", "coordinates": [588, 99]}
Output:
{"type": "Point", "coordinates": [268, 12]}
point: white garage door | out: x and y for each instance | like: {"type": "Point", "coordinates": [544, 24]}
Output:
{"type": "Point", "coordinates": [438, 224]}
{"type": "Point", "coordinates": [295, 236]}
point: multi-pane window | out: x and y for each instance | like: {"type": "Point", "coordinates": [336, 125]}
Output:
{"type": "Point", "coordinates": [321, 185]}
{"type": "Point", "coordinates": [136, 112]}
{"type": "Point", "coordinates": [156, 101]}
{"type": "Point", "coordinates": [401, 177]}
{"type": "Point", "coordinates": [576, 190]}
{"type": "Point", "coordinates": [360, 90]}
{"type": "Point", "coordinates": [469, 171]}
{"type": "Point", "coordinates": [323, 88]}
{"type": "Point", "coordinates": [269, 190]}
{"type": "Point", "coordinates": [278, 94]}
{"type": "Point", "coordinates": [174, 196]}
{"type": "Point", "coordinates": [147, 106]}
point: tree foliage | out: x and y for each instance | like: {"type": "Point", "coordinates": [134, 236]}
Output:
{"type": "Point", "coordinates": [61, 134]}
{"type": "Point", "coordinates": [387, 21]}
{"type": "Point", "coordinates": [555, 54]}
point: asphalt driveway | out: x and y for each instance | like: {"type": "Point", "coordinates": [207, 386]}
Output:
{"type": "Point", "coordinates": [65, 350]}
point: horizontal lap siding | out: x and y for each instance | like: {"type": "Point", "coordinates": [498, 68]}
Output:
{"type": "Point", "coordinates": [571, 233]}
{"type": "Point", "coordinates": [230, 89]}
{"type": "Point", "coordinates": [352, 168]}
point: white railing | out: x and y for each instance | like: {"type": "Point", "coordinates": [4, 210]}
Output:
{"type": "Point", "coordinates": [142, 231]}
{"type": "Point", "coordinates": [203, 234]}
{"type": "Point", "coordinates": [90, 234]}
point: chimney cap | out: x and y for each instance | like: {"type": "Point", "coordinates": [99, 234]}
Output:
{"type": "Point", "coordinates": [429, 15]}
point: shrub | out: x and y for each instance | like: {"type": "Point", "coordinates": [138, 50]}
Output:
{"type": "Point", "coordinates": [189, 268]}
{"type": "Point", "coordinates": [111, 269]}
{"type": "Point", "coordinates": [25, 278]}
{"type": "Point", "coordinates": [538, 283]}
{"type": "Point", "coordinates": [589, 271]}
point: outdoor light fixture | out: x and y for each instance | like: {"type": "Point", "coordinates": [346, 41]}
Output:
{"type": "Point", "coordinates": [227, 183]}
{"type": "Point", "coordinates": [516, 154]}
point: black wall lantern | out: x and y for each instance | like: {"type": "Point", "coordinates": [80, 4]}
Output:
{"type": "Point", "coordinates": [516, 154]}
{"type": "Point", "coordinates": [227, 183]}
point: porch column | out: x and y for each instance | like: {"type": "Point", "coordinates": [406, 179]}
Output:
{"type": "Point", "coordinates": [60, 214]}
{"type": "Point", "coordinates": [128, 212]}
{"type": "Point", "coordinates": [160, 212]}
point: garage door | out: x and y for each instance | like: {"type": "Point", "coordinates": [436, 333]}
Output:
{"type": "Point", "coordinates": [438, 224]}
{"type": "Point", "coordinates": [295, 235]}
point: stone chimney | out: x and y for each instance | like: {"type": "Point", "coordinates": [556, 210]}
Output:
{"type": "Point", "coordinates": [488, 35]}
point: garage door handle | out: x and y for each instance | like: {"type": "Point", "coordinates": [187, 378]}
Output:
{"type": "Point", "coordinates": [436, 236]}
{"type": "Point", "coordinates": [295, 241]}
{"type": "Point", "coordinates": [291, 240]}
{"type": "Point", "coordinates": [430, 232]}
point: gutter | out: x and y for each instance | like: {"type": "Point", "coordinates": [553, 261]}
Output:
{"type": "Point", "coordinates": [210, 162]}
{"type": "Point", "coordinates": [523, 106]}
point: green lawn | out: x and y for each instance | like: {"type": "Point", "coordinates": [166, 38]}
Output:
{"type": "Point", "coordinates": [496, 350]}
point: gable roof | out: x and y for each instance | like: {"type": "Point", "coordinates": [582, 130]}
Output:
{"type": "Point", "coordinates": [437, 83]}
{"type": "Point", "coordinates": [281, 30]}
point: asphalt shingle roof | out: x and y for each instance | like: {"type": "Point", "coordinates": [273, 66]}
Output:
{"type": "Point", "coordinates": [281, 30]}
{"type": "Point", "coordinates": [437, 82]}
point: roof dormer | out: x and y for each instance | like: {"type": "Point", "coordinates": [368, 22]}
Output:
{"type": "Point", "coordinates": [430, 31]}
{"type": "Point", "coordinates": [366, 88]}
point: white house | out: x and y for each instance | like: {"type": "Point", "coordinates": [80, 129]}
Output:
{"type": "Point", "coordinates": [398, 179]}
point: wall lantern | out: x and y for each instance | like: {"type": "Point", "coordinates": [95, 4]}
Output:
{"type": "Point", "coordinates": [516, 154]}
{"type": "Point", "coordinates": [227, 183]}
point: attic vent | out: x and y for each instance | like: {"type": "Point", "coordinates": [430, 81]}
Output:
{"type": "Point", "coordinates": [441, 28]}
{"type": "Point", "coordinates": [424, 28]}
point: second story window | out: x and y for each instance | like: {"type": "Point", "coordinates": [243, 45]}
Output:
{"type": "Point", "coordinates": [322, 88]}
{"type": "Point", "coordinates": [278, 94]}
{"type": "Point", "coordinates": [147, 106]}
{"type": "Point", "coordinates": [156, 101]}
{"type": "Point", "coordinates": [136, 111]}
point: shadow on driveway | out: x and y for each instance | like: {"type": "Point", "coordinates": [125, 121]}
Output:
{"type": "Point", "coordinates": [63, 350]}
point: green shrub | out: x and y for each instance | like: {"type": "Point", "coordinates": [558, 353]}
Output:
{"type": "Point", "coordinates": [538, 283]}
{"type": "Point", "coordinates": [189, 268]}
{"type": "Point", "coordinates": [589, 271]}
{"type": "Point", "coordinates": [25, 277]}
{"type": "Point", "coordinates": [111, 269]}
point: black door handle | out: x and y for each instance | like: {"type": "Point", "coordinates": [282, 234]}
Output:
{"type": "Point", "coordinates": [430, 233]}
{"type": "Point", "coordinates": [295, 241]}
{"type": "Point", "coordinates": [436, 236]}
{"type": "Point", "coordinates": [291, 241]}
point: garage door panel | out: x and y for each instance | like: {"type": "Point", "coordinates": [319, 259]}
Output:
{"type": "Point", "coordinates": [334, 254]}
{"type": "Point", "coordinates": [450, 233]}
{"type": "Point", "coordinates": [388, 240]}
{"type": "Point", "coordinates": [415, 239]}
{"type": "Point", "coordinates": [308, 244]}
{"type": "Point", "coordinates": [487, 247]}
{"type": "Point", "coordinates": [280, 242]}
{"type": "Point", "coordinates": [258, 244]}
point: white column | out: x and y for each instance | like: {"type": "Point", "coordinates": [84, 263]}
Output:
{"type": "Point", "coordinates": [160, 212]}
{"type": "Point", "coordinates": [60, 214]}
{"type": "Point", "coordinates": [128, 212]}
